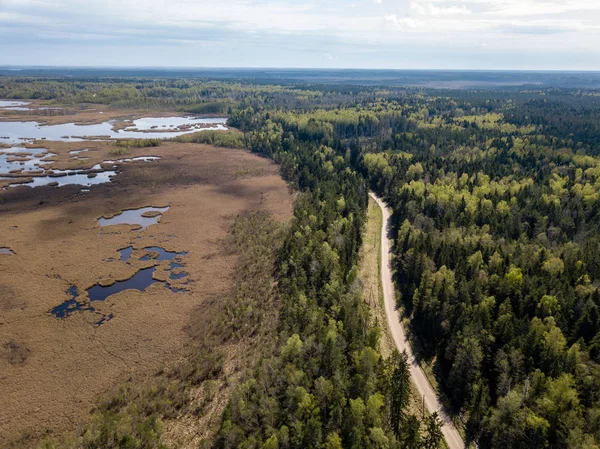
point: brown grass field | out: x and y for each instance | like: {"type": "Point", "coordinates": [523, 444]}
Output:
{"type": "Point", "coordinates": [52, 369]}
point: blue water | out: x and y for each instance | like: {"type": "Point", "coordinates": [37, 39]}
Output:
{"type": "Point", "coordinates": [17, 132]}
{"type": "Point", "coordinates": [71, 305]}
{"type": "Point", "coordinates": [126, 253]}
{"type": "Point", "coordinates": [104, 319]}
{"type": "Point", "coordinates": [72, 178]}
{"type": "Point", "coordinates": [180, 275]}
{"type": "Point", "coordinates": [139, 281]}
{"type": "Point", "coordinates": [163, 254]}
{"type": "Point", "coordinates": [133, 217]}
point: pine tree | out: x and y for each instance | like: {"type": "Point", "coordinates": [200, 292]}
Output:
{"type": "Point", "coordinates": [433, 432]}
{"type": "Point", "coordinates": [400, 391]}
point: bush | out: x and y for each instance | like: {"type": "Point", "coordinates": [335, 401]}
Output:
{"type": "Point", "coordinates": [138, 143]}
{"type": "Point", "coordinates": [223, 139]}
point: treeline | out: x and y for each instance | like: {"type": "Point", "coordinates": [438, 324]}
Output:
{"type": "Point", "coordinates": [195, 96]}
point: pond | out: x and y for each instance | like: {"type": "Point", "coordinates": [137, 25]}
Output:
{"type": "Point", "coordinates": [68, 177]}
{"type": "Point", "coordinates": [125, 253]}
{"type": "Point", "coordinates": [180, 275]}
{"type": "Point", "coordinates": [140, 281]}
{"type": "Point", "coordinates": [79, 151]}
{"type": "Point", "coordinates": [130, 159]}
{"type": "Point", "coordinates": [135, 217]}
{"type": "Point", "coordinates": [15, 132]}
{"type": "Point", "coordinates": [23, 150]}
{"type": "Point", "coordinates": [163, 254]}
{"type": "Point", "coordinates": [14, 105]}
{"type": "Point", "coordinates": [70, 305]}
{"type": "Point", "coordinates": [181, 123]}
{"type": "Point", "coordinates": [159, 254]}
{"type": "Point", "coordinates": [17, 161]}
{"type": "Point", "coordinates": [23, 161]}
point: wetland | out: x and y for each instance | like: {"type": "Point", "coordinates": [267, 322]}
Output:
{"type": "Point", "coordinates": [100, 283]}
{"type": "Point", "coordinates": [14, 132]}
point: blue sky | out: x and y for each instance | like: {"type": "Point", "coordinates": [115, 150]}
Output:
{"type": "Point", "coordinates": [399, 34]}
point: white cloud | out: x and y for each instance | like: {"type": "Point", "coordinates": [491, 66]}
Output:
{"type": "Point", "coordinates": [18, 18]}
{"type": "Point", "coordinates": [403, 22]}
{"type": "Point", "coordinates": [503, 25]}
{"type": "Point", "coordinates": [523, 8]}
{"type": "Point", "coordinates": [439, 11]}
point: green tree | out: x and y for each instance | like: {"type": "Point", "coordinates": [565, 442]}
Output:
{"type": "Point", "coordinates": [400, 391]}
{"type": "Point", "coordinates": [333, 441]}
{"type": "Point", "coordinates": [433, 432]}
{"type": "Point", "coordinates": [411, 433]}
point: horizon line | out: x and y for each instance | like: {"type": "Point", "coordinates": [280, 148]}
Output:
{"type": "Point", "coordinates": [90, 67]}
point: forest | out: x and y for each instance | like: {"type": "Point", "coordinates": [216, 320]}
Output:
{"type": "Point", "coordinates": [496, 227]}
{"type": "Point", "coordinates": [495, 200]}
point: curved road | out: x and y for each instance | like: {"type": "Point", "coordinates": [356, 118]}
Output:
{"type": "Point", "coordinates": [453, 438]}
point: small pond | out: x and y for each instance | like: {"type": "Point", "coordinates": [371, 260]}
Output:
{"type": "Point", "coordinates": [76, 154]}
{"type": "Point", "coordinates": [180, 275]}
{"type": "Point", "coordinates": [126, 253]}
{"type": "Point", "coordinates": [68, 177]}
{"type": "Point", "coordinates": [14, 104]}
{"type": "Point", "coordinates": [163, 254]}
{"type": "Point", "coordinates": [18, 160]}
{"type": "Point", "coordinates": [71, 305]}
{"type": "Point", "coordinates": [140, 281]}
{"type": "Point", "coordinates": [22, 162]}
{"type": "Point", "coordinates": [155, 124]}
{"type": "Point", "coordinates": [24, 150]}
{"type": "Point", "coordinates": [5, 250]}
{"type": "Point", "coordinates": [130, 159]}
{"type": "Point", "coordinates": [134, 217]}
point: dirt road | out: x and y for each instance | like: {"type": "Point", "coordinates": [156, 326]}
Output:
{"type": "Point", "coordinates": [453, 438]}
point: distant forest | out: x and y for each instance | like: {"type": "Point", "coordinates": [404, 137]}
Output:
{"type": "Point", "coordinates": [496, 224]}
{"type": "Point", "coordinates": [458, 79]}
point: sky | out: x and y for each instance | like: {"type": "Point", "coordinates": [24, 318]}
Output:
{"type": "Point", "coordinates": [385, 34]}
